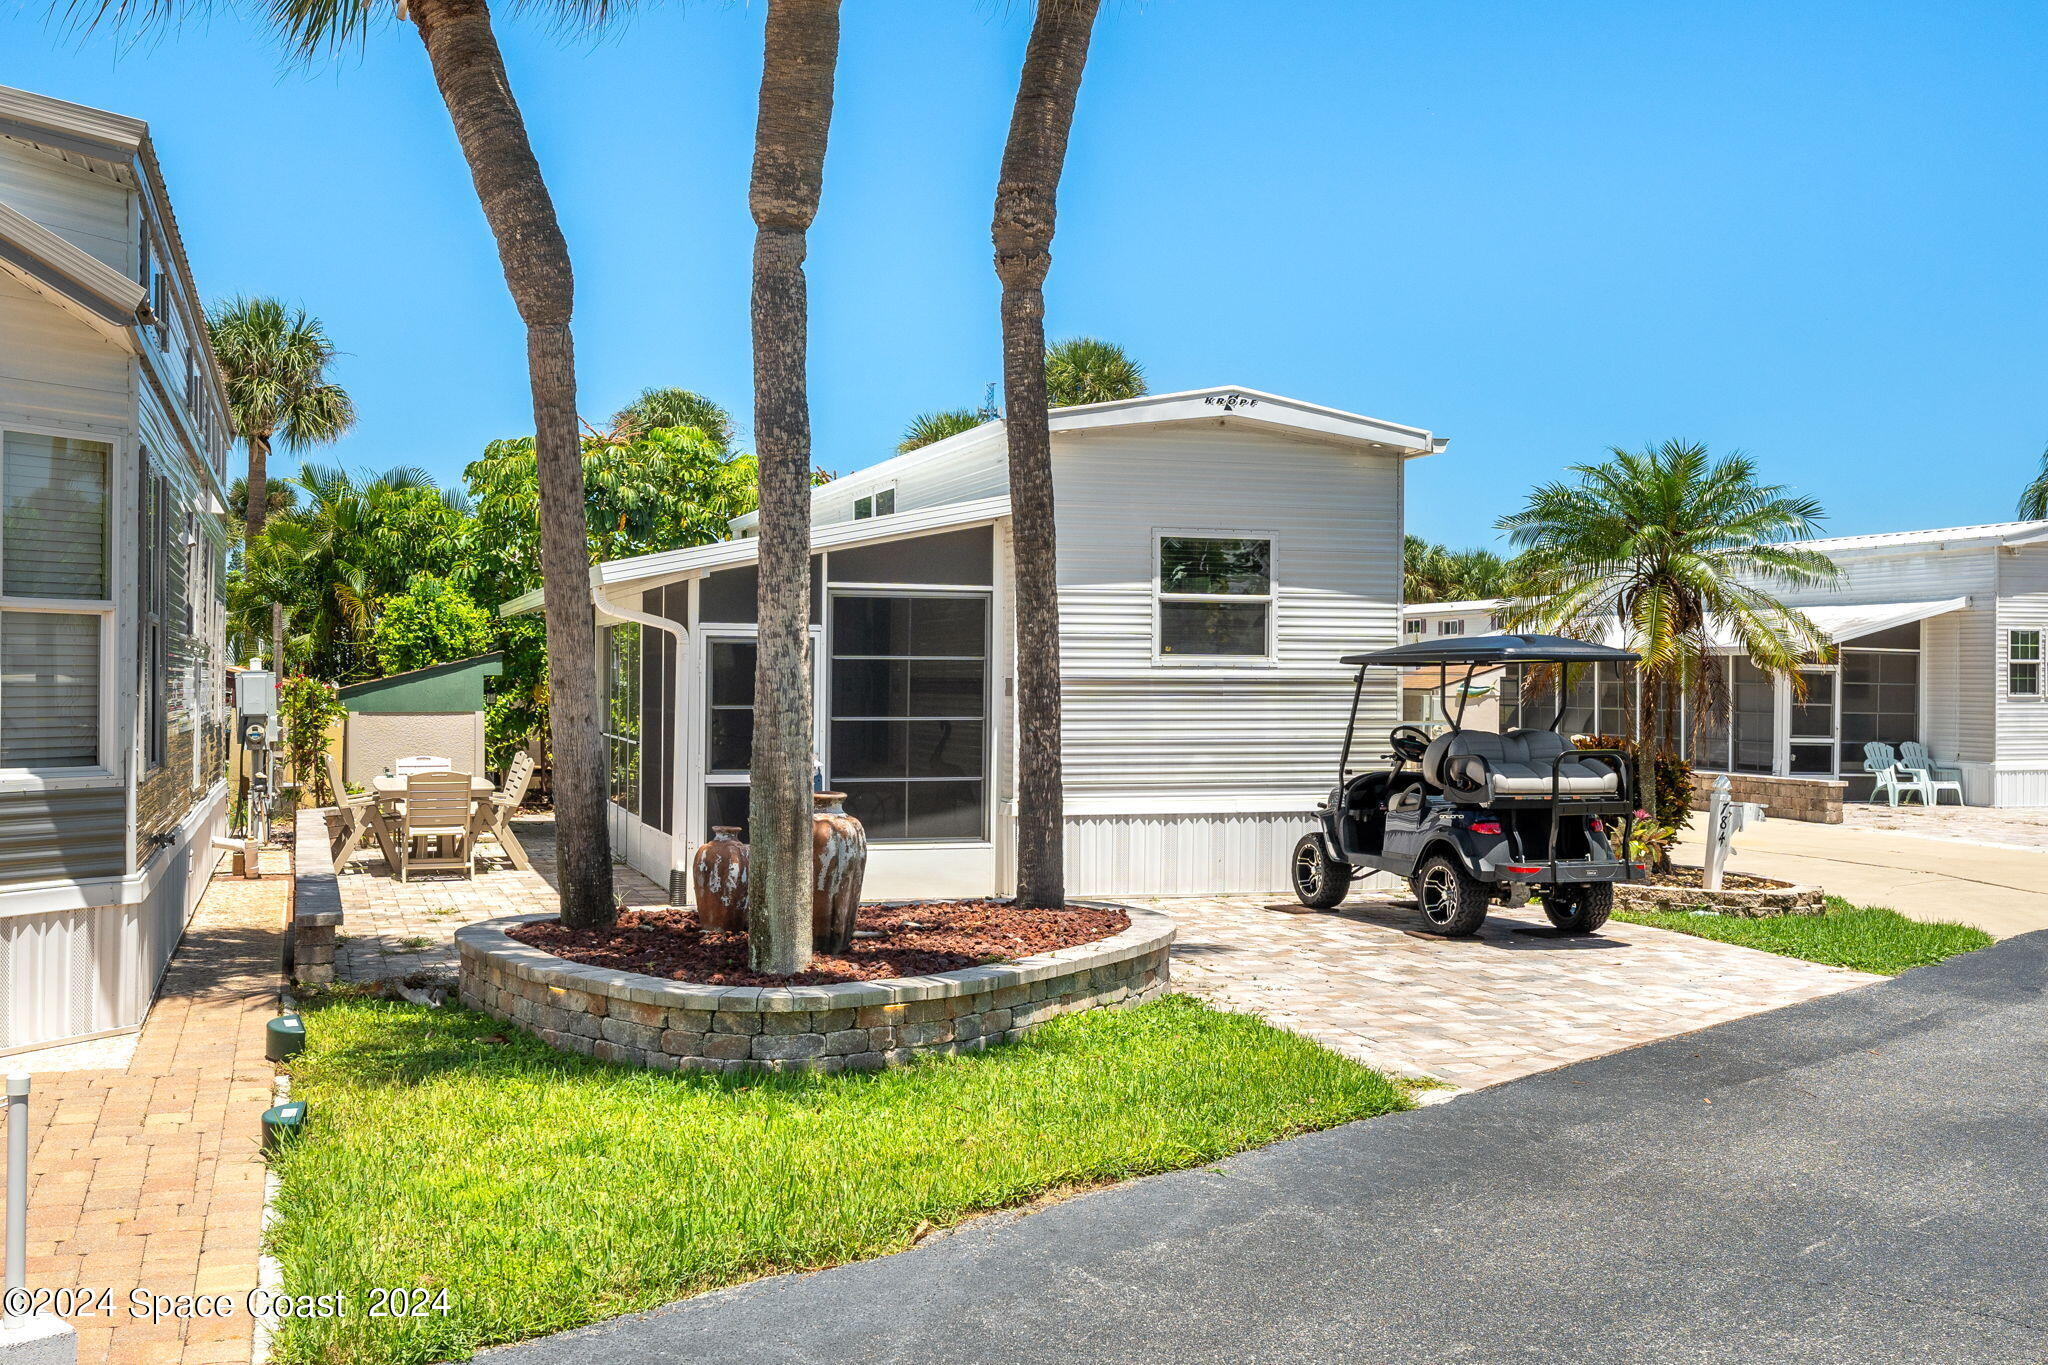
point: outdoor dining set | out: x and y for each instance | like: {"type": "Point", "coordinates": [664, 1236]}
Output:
{"type": "Point", "coordinates": [426, 817]}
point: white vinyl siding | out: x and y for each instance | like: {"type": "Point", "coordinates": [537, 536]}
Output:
{"type": "Point", "coordinates": [85, 209]}
{"type": "Point", "coordinates": [1142, 736]}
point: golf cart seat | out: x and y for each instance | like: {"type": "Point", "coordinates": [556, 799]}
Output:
{"type": "Point", "coordinates": [1473, 767]}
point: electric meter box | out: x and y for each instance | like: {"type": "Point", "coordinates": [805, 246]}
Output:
{"type": "Point", "coordinates": [255, 694]}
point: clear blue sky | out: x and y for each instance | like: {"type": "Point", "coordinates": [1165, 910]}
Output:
{"type": "Point", "coordinates": [1811, 230]}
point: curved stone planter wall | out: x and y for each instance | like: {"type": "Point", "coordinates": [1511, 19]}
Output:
{"type": "Point", "coordinates": [1753, 903]}
{"type": "Point", "coordinates": [860, 1025]}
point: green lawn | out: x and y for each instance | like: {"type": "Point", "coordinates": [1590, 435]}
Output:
{"type": "Point", "coordinates": [446, 1150]}
{"type": "Point", "coordinates": [1867, 938]}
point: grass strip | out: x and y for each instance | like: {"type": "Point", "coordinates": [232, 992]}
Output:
{"type": "Point", "coordinates": [1866, 938]}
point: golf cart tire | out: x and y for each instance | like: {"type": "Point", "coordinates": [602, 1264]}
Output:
{"type": "Point", "coordinates": [1581, 909]}
{"type": "Point", "coordinates": [1453, 902]}
{"type": "Point", "coordinates": [1320, 881]}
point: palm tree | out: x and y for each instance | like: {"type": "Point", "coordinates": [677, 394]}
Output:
{"type": "Point", "coordinates": [2034, 498]}
{"type": "Point", "coordinates": [469, 72]}
{"type": "Point", "coordinates": [800, 50]}
{"type": "Point", "coordinates": [927, 427]}
{"type": "Point", "coordinates": [659, 408]}
{"type": "Point", "coordinates": [1087, 370]}
{"type": "Point", "coordinates": [1671, 543]}
{"type": "Point", "coordinates": [273, 363]}
{"type": "Point", "coordinates": [1027, 194]}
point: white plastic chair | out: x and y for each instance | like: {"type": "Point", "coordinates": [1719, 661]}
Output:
{"type": "Point", "coordinates": [1914, 757]}
{"type": "Point", "coordinates": [1892, 781]}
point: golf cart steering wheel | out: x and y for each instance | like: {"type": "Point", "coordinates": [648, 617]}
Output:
{"type": "Point", "coordinates": [1408, 742]}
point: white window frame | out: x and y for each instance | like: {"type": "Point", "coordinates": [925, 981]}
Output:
{"type": "Point", "coordinates": [1415, 625]}
{"type": "Point", "coordinates": [870, 497]}
{"type": "Point", "coordinates": [2011, 639]}
{"type": "Point", "coordinates": [702, 638]}
{"type": "Point", "coordinates": [1451, 625]}
{"type": "Point", "coordinates": [105, 771]}
{"type": "Point", "coordinates": [1271, 599]}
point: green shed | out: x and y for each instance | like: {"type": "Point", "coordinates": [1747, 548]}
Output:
{"type": "Point", "coordinates": [437, 711]}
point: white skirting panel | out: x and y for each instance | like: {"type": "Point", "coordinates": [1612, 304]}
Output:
{"type": "Point", "coordinates": [74, 973]}
{"type": "Point", "coordinates": [2016, 787]}
{"type": "Point", "coordinates": [1182, 855]}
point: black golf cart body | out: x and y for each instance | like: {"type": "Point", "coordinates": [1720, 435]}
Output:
{"type": "Point", "coordinates": [1478, 816]}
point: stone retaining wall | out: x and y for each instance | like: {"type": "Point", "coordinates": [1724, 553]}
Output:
{"type": "Point", "coordinates": [1754, 903]}
{"type": "Point", "coordinates": [862, 1025]}
{"type": "Point", "coordinates": [316, 900]}
{"type": "Point", "coordinates": [1814, 800]}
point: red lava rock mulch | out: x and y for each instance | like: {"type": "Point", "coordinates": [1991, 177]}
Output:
{"type": "Point", "coordinates": [911, 940]}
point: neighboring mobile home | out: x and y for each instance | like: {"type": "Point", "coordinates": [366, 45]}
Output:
{"type": "Point", "coordinates": [1939, 639]}
{"type": "Point", "coordinates": [1218, 551]}
{"type": "Point", "coordinates": [113, 731]}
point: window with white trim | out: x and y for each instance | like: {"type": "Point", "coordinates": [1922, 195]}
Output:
{"type": "Point", "coordinates": [1451, 626]}
{"type": "Point", "coordinates": [2023, 663]}
{"type": "Point", "coordinates": [1495, 622]}
{"type": "Point", "coordinates": [880, 503]}
{"type": "Point", "coordinates": [1215, 596]}
{"type": "Point", "coordinates": [55, 598]}
{"type": "Point", "coordinates": [1415, 626]}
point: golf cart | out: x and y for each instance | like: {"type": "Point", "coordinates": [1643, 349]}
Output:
{"type": "Point", "coordinates": [1472, 818]}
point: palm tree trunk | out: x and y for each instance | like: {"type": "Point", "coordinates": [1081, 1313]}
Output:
{"type": "Point", "coordinates": [801, 50]}
{"type": "Point", "coordinates": [1026, 206]}
{"type": "Point", "coordinates": [257, 487]}
{"type": "Point", "coordinates": [470, 72]}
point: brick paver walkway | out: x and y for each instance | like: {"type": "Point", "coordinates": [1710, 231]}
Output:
{"type": "Point", "coordinates": [150, 1177]}
{"type": "Point", "coordinates": [392, 929]}
{"type": "Point", "coordinates": [2014, 828]}
{"type": "Point", "coordinates": [1367, 982]}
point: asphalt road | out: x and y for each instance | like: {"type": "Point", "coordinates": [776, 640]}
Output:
{"type": "Point", "coordinates": [1862, 1178]}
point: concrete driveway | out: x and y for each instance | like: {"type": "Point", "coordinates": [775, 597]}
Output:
{"type": "Point", "coordinates": [1854, 1179]}
{"type": "Point", "coordinates": [1943, 874]}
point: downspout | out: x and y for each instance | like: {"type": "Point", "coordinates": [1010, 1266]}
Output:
{"type": "Point", "coordinates": [679, 849]}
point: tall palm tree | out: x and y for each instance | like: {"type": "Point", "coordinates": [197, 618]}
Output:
{"type": "Point", "coordinates": [1089, 370]}
{"type": "Point", "coordinates": [800, 51]}
{"type": "Point", "coordinates": [1027, 194]}
{"type": "Point", "coordinates": [2034, 497]}
{"type": "Point", "coordinates": [1672, 544]}
{"type": "Point", "coordinates": [469, 72]}
{"type": "Point", "coordinates": [929, 427]}
{"type": "Point", "coordinates": [273, 363]}
{"type": "Point", "coordinates": [660, 408]}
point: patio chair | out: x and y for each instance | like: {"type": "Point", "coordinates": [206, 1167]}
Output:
{"type": "Point", "coordinates": [1893, 779]}
{"type": "Point", "coordinates": [358, 814]}
{"type": "Point", "coordinates": [494, 817]}
{"type": "Point", "coordinates": [436, 818]}
{"type": "Point", "coordinates": [1914, 756]}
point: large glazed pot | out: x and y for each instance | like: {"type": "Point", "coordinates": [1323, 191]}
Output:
{"type": "Point", "coordinates": [839, 862]}
{"type": "Point", "coordinates": [718, 878]}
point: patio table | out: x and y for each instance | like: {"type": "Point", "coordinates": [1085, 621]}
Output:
{"type": "Point", "coordinates": [390, 790]}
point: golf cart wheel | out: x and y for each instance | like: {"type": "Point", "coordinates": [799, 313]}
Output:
{"type": "Point", "coordinates": [1579, 909]}
{"type": "Point", "coordinates": [1320, 883]}
{"type": "Point", "coordinates": [1453, 901]}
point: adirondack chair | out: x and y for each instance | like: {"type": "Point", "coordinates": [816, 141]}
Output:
{"type": "Point", "coordinates": [358, 816]}
{"type": "Point", "coordinates": [494, 817]}
{"type": "Point", "coordinates": [436, 833]}
{"type": "Point", "coordinates": [1913, 754]}
{"type": "Point", "coordinates": [1893, 780]}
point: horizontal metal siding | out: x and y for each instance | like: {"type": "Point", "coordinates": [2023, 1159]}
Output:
{"type": "Point", "coordinates": [53, 369]}
{"type": "Point", "coordinates": [63, 836]}
{"type": "Point", "coordinates": [87, 210]}
{"type": "Point", "coordinates": [1139, 729]}
{"type": "Point", "coordinates": [982, 470]}
{"type": "Point", "coordinates": [2022, 721]}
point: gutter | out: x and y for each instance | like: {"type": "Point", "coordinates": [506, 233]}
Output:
{"type": "Point", "coordinates": [679, 851]}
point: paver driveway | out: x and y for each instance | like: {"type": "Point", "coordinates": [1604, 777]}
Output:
{"type": "Point", "coordinates": [1516, 999]}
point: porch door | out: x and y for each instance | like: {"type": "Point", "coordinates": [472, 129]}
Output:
{"type": "Point", "coordinates": [1813, 723]}
{"type": "Point", "coordinates": [728, 692]}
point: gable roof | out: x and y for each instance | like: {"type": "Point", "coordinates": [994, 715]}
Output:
{"type": "Point", "coordinates": [1227, 404]}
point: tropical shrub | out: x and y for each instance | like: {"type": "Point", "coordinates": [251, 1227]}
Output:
{"type": "Point", "coordinates": [431, 623]}
{"type": "Point", "coordinates": [306, 708]}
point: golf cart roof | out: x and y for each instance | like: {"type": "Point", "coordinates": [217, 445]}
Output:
{"type": "Point", "coordinates": [1495, 649]}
